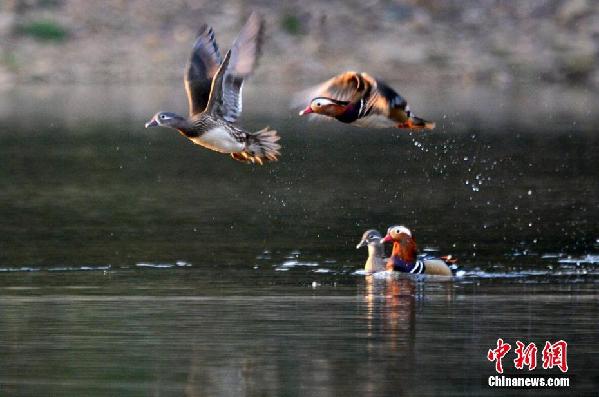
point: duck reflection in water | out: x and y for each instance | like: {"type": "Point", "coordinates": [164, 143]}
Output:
{"type": "Point", "coordinates": [391, 308]}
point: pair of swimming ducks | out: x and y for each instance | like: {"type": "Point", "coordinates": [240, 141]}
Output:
{"type": "Point", "coordinates": [214, 87]}
{"type": "Point", "coordinates": [404, 257]}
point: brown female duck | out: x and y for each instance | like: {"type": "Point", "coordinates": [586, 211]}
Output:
{"type": "Point", "coordinates": [376, 251]}
{"type": "Point", "coordinates": [214, 90]}
{"type": "Point", "coordinates": [360, 99]}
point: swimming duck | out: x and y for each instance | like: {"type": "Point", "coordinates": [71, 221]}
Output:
{"type": "Point", "coordinates": [360, 99]}
{"type": "Point", "coordinates": [404, 257]}
{"type": "Point", "coordinates": [376, 251]}
{"type": "Point", "coordinates": [213, 87]}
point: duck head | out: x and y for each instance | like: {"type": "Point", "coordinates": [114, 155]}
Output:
{"type": "Point", "coordinates": [167, 119]}
{"type": "Point", "coordinates": [396, 233]}
{"type": "Point", "coordinates": [326, 107]}
{"type": "Point", "coordinates": [376, 251]}
{"type": "Point", "coordinates": [369, 238]}
{"type": "Point", "coordinates": [404, 245]}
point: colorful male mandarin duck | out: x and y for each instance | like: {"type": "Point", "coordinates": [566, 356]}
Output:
{"type": "Point", "coordinates": [360, 99]}
{"type": "Point", "coordinates": [404, 257]}
{"type": "Point", "coordinates": [214, 88]}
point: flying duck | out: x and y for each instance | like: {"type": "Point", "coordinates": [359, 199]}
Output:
{"type": "Point", "coordinates": [404, 257]}
{"type": "Point", "coordinates": [360, 99]}
{"type": "Point", "coordinates": [213, 87]}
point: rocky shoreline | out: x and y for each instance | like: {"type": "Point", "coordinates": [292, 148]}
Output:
{"type": "Point", "coordinates": [490, 41]}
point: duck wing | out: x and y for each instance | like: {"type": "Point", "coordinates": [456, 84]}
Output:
{"type": "Point", "coordinates": [376, 103]}
{"type": "Point", "coordinates": [351, 87]}
{"type": "Point", "coordinates": [225, 94]}
{"type": "Point", "coordinates": [201, 68]}
{"type": "Point", "coordinates": [347, 86]}
{"type": "Point", "coordinates": [383, 103]}
{"type": "Point", "coordinates": [380, 106]}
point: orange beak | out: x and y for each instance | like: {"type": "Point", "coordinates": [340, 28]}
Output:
{"type": "Point", "coordinates": [306, 111]}
{"type": "Point", "coordinates": [387, 239]}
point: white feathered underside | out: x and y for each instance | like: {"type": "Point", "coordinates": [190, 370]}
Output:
{"type": "Point", "coordinates": [219, 139]}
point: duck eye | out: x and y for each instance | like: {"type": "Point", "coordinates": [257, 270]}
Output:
{"type": "Point", "coordinates": [317, 103]}
{"type": "Point", "coordinates": [162, 116]}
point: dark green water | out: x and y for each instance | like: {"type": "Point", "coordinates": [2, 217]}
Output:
{"type": "Point", "coordinates": [135, 263]}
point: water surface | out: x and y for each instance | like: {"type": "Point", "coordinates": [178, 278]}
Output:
{"type": "Point", "coordinates": [134, 263]}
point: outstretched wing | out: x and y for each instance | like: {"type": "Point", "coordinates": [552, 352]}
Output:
{"type": "Point", "coordinates": [375, 103]}
{"type": "Point", "coordinates": [240, 61]}
{"type": "Point", "coordinates": [383, 107]}
{"type": "Point", "coordinates": [201, 68]}
{"type": "Point", "coordinates": [346, 86]}
{"type": "Point", "coordinates": [384, 100]}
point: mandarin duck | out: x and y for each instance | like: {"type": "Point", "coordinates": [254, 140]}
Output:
{"type": "Point", "coordinates": [376, 261]}
{"type": "Point", "coordinates": [376, 251]}
{"type": "Point", "coordinates": [360, 99]}
{"type": "Point", "coordinates": [214, 87]}
{"type": "Point", "coordinates": [404, 257]}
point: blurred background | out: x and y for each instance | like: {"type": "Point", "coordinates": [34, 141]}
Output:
{"type": "Point", "coordinates": [429, 41]}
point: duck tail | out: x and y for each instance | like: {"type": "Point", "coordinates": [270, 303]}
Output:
{"type": "Point", "coordinates": [417, 122]}
{"type": "Point", "coordinates": [261, 146]}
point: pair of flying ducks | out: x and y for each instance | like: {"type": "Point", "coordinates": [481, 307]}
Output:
{"type": "Point", "coordinates": [214, 86]}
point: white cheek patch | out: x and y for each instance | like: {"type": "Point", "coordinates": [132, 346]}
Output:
{"type": "Point", "coordinates": [403, 229]}
{"type": "Point", "coordinates": [322, 102]}
{"type": "Point", "coordinates": [399, 230]}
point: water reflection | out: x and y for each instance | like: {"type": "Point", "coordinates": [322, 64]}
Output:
{"type": "Point", "coordinates": [391, 308]}
{"type": "Point", "coordinates": [180, 331]}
